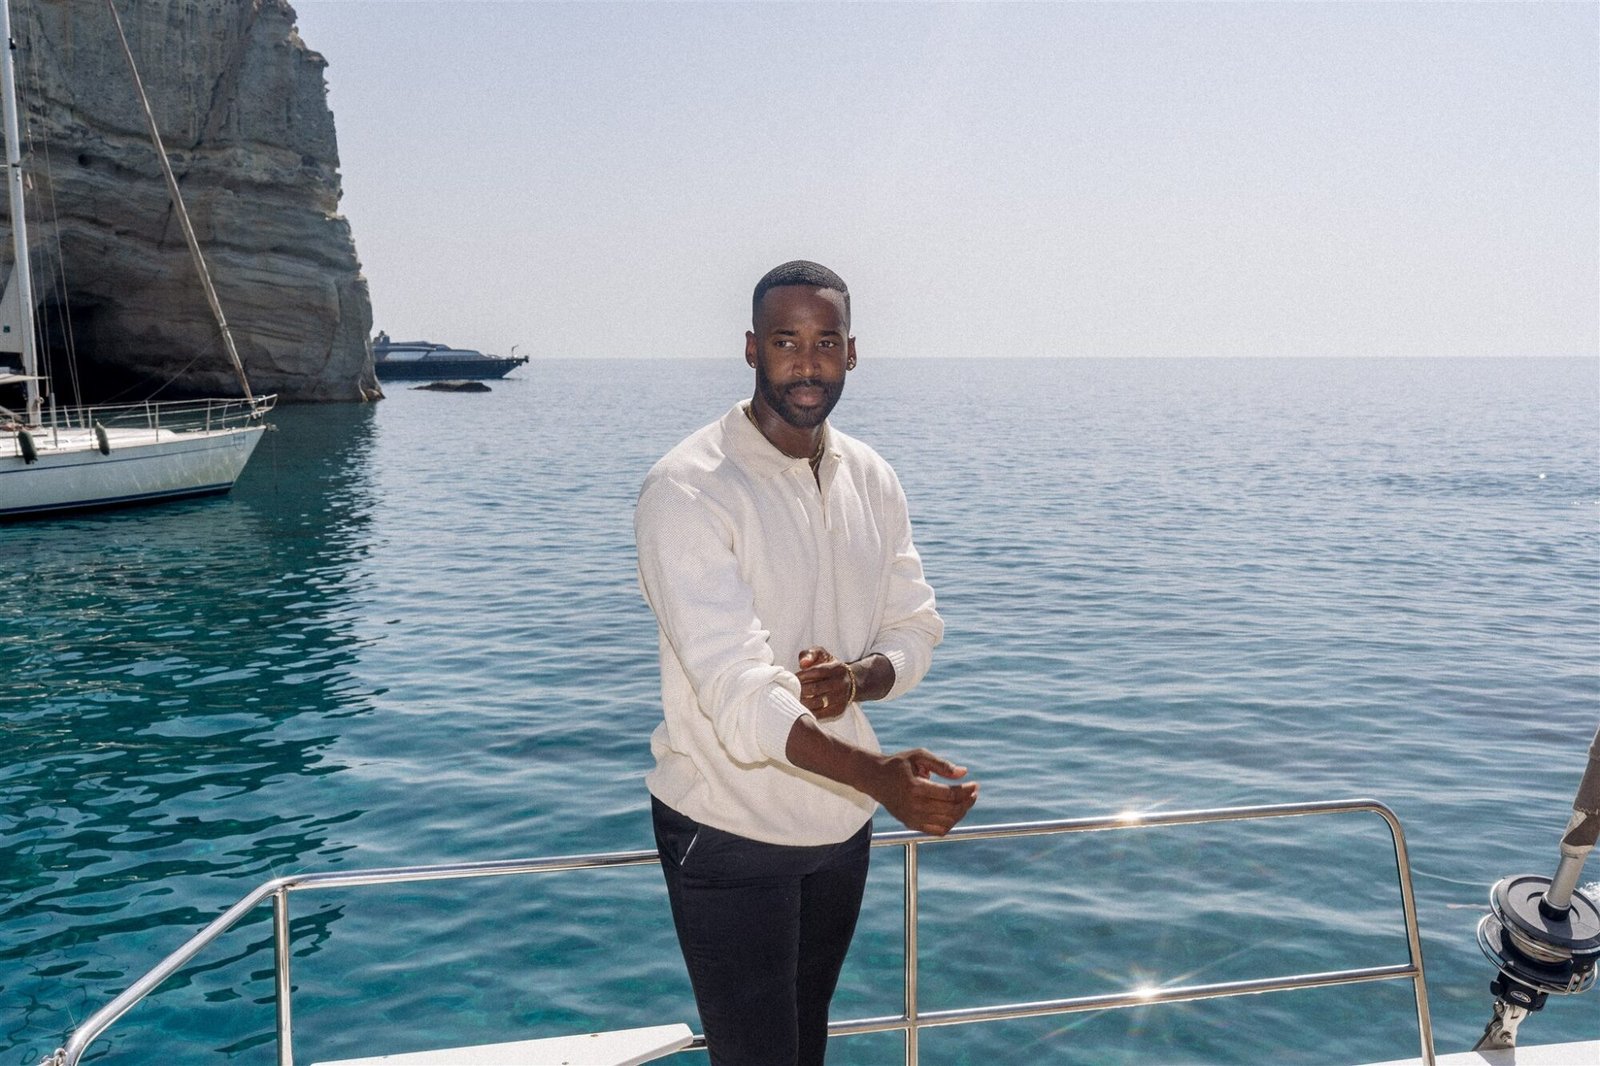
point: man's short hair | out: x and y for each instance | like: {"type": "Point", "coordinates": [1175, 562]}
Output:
{"type": "Point", "coordinates": [800, 272]}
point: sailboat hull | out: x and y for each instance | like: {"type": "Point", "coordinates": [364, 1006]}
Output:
{"type": "Point", "coordinates": [73, 473]}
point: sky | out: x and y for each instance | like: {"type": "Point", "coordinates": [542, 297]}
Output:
{"type": "Point", "coordinates": [592, 179]}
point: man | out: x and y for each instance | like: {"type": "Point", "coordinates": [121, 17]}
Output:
{"type": "Point", "coordinates": [776, 554]}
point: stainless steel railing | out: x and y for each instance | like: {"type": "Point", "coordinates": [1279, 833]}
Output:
{"type": "Point", "coordinates": [911, 1020]}
{"type": "Point", "coordinates": [155, 415]}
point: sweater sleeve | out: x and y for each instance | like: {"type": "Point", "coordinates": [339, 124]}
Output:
{"type": "Point", "coordinates": [690, 577]}
{"type": "Point", "coordinates": [911, 626]}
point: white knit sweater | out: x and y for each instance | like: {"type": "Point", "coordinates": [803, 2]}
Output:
{"type": "Point", "coordinates": [745, 563]}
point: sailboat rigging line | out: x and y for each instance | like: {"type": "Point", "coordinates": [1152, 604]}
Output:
{"type": "Point", "coordinates": [40, 149]}
{"type": "Point", "coordinates": [178, 208]}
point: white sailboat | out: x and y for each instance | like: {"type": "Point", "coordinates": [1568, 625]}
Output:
{"type": "Point", "coordinates": [67, 458]}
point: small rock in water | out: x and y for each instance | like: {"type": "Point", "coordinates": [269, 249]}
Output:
{"type": "Point", "coordinates": [453, 386]}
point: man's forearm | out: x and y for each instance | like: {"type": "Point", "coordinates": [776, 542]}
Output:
{"type": "Point", "coordinates": [811, 749]}
{"type": "Point", "coordinates": [901, 782]}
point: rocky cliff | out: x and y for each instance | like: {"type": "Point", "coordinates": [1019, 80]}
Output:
{"type": "Point", "coordinates": [242, 108]}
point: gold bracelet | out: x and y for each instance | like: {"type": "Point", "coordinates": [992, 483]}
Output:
{"type": "Point", "coordinates": [850, 673]}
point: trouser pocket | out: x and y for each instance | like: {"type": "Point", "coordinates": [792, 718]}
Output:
{"type": "Point", "coordinates": [675, 833]}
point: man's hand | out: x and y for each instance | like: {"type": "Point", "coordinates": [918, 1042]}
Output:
{"type": "Point", "coordinates": [826, 685]}
{"type": "Point", "coordinates": [904, 787]}
{"type": "Point", "coordinates": [903, 783]}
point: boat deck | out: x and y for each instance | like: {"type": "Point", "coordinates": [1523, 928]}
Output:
{"type": "Point", "coordinates": [1580, 1053]}
{"type": "Point", "coordinates": [77, 439]}
{"type": "Point", "coordinates": [624, 1047]}
{"type": "Point", "coordinates": [630, 1047]}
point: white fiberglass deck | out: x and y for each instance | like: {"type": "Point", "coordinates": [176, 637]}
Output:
{"type": "Point", "coordinates": [629, 1047]}
{"type": "Point", "coordinates": [624, 1047]}
{"type": "Point", "coordinates": [1582, 1053]}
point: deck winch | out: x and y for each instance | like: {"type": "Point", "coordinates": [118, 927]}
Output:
{"type": "Point", "coordinates": [1543, 933]}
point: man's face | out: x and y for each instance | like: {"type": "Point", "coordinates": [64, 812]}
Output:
{"type": "Point", "coordinates": [800, 347]}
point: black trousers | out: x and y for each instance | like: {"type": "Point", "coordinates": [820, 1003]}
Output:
{"type": "Point", "coordinates": [764, 929]}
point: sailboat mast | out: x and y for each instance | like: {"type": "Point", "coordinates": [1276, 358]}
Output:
{"type": "Point", "coordinates": [19, 225]}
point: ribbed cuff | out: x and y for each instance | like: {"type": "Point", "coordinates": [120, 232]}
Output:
{"type": "Point", "coordinates": [779, 709]}
{"type": "Point", "coordinates": [902, 670]}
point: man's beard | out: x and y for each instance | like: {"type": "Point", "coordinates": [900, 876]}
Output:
{"type": "Point", "coordinates": [798, 417]}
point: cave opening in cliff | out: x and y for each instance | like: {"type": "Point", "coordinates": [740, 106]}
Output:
{"type": "Point", "coordinates": [69, 342]}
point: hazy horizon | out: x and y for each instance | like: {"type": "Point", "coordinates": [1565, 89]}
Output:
{"type": "Point", "coordinates": [1055, 179]}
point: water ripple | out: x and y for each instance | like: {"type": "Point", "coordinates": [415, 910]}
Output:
{"type": "Point", "coordinates": [1168, 584]}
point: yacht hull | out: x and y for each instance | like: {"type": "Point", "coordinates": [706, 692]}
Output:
{"type": "Point", "coordinates": [72, 473]}
{"type": "Point", "coordinates": [481, 368]}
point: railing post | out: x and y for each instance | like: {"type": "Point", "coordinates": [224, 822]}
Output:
{"type": "Point", "coordinates": [910, 939]}
{"type": "Point", "coordinates": [1408, 903]}
{"type": "Point", "coordinates": [280, 970]}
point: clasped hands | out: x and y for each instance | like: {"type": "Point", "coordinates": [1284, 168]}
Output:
{"type": "Point", "coordinates": [827, 686]}
{"type": "Point", "coordinates": [902, 782]}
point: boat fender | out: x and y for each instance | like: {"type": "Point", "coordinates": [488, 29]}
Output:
{"type": "Point", "coordinates": [101, 439]}
{"type": "Point", "coordinates": [30, 454]}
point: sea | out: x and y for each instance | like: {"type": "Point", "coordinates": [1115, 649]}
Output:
{"type": "Point", "coordinates": [413, 634]}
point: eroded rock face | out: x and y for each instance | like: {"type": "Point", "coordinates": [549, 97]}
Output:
{"type": "Point", "coordinates": [242, 107]}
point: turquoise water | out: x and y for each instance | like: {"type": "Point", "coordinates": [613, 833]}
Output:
{"type": "Point", "coordinates": [412, 635]}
